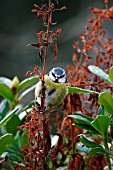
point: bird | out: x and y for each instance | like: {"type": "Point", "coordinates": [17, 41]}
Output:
{"type": "Point", "coordinates": [54, 86]}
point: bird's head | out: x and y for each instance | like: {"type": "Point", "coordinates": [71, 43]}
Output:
{"type": "Point", "coordinates": [57, 75]}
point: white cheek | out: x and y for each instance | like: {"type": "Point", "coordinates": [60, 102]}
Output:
{"type": "Point", "coordinates": [62, 80]}
{"type": "Point", "coordinates": [51, 77]}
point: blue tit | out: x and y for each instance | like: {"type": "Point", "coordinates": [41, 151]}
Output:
{"type": "Point", "coordinates": [54, 86]}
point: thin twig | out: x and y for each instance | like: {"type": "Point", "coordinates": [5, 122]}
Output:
{"type": "Point", "coordinates": [43, 91]}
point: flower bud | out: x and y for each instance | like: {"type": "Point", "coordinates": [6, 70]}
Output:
{"type": "Point", "coordinates": [15, 82]}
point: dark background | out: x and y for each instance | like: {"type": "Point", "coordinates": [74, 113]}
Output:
{"type": "Point", "coordinates": [18, 27]}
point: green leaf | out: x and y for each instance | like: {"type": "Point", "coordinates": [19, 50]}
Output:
{"type": "Point", "coordinates": [101, 123]}
{"type": "Point", "coordinates": [15, 121]}
{"type": "Point", "coordinates": [27, 82]}
{"type": "Point", "coordinates": [16, 157]}
{"type": "Point", "coordinates": [84, 116]}
{"type": "Point", "coordinates": [14, 163]}
{"type": "Point", "coordinates": [100, 73]}
{"type": "Point", "coordinates": [87, 127]}
{"type": "Point", "coordinates": [5, 142]}
{"type": "Point", "coordinates": [93, 151]}
{"type": "Point", "coordinates": [27, 91]}
{"type": "Point", "coordinates": [81, 91]}
{"type": "Point", "coordinates": [13, 148]}
{"type": "Point", "coordinates": [89, 143]}
{"type": "Point", "coordinates": [6, 92]}
{"type": "Point", "coordinates": [109, 152]}
{"type": "Point", "coordinates": [101, 110]}
{"type": "Point", "coordinates": [96, 150]}
{"type": "Point", "coordinates": [8, 117]}
{"type": "Point", "coordinates": [105, 99]}
{"type": "Point", "coordinates": [111, 74]}
{"type": "Point", "coordinates": [13, 157]}
{"type": "Point", "coordinates": [22, 140]}
{"type": "Point", "coordinates": [6, 81]}
{"type": "Point", "coordinates": [4, 107]}
{"type": "Point", "coordinates": [80, 119]}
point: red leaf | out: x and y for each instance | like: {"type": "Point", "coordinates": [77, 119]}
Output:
{"type": "Point", "coordinates": [106, 1]}
{"type": "Point", "coordinates": [52, 6]}
{"type": "Point", "coordinates": [38, 45]}
{"type": "Point", "coordinates": [28, 72]}
{"type": "Point", "coordinates": [74, 57]}
{"type": "Point", "coordinates": [34, 10]}
{"type": "Point", "coordinates": [63, 8]}
{"type": "Point", "coordinates": [36, 6]}
{"type": "Point", "coordinates": [91, 20]}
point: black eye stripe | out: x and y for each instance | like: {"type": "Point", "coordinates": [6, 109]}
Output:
{"type": "Point", "coordinates": [61, 76]}
{"type": "Point", "coordinates": [53, 75]}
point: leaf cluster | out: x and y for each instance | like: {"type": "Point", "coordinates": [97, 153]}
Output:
{"type": "Point", "coordinates": [12, 115]}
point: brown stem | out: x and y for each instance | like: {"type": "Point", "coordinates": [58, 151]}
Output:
{"type": "Point", "coordinates": [72, 134]}
{"type": "Point", "coordinates": [43, 91]}
{"type": "Point", "coordinates": [80, 60]}
{"type": "Point", "coordinates": [47, 40]}
{"type": "Point", "coordinates": [98, 47]}
{"type": "Point", "coordinates": [78, 64]}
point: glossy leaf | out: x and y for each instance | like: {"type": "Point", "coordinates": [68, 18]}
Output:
{"type": "Point", "coordinates": [105, 99]}
{"type": "Point", "coordinates": [80, 119]}
{"type": "Point", "coordinates": [87, 127]}
{"type": "Point", "coordinates": [22, 140]}
{"type": "Point", "coordinates": [14, 163]}
{"type": "Point", "coordinates": [101, 110]}
{"type": "Point", "coordinates": [84, 116]}
{"type": "Point", "coordinates": [12, 124]}
{"type": "Point", "coordinates": [111, 74]}
{"type": "Point", "coordinates": [13, 157]}
{"type": "Point", "coordinates": [81, 91]}
{"type": "Point", "coordinates": [101, 123]}
{"type": "Point", "coordinates": [96, 150]}
{"type": "Point", "coordinates": [6, 81]}
{"type": "Point", "coordinates": [99, 72]}
{"type": "Point", "coordinates": [13, 148]}
{"type": "Point", "coordinates": [5, 142]}
{"type": "Point", "coordinates": [4, 107]}
{"type": "Point", "coordinates": [27, 82]}
{"type": "Point", "coordinates": [6, 92]}
{"type": "Point", "coordinates": [8, 117]}
{"type": "Point", "coordinates": [14, 154]}
{"type": "Point", "coordinates": [93, 151]}
{"type": "Point", "coordinates": [89, 143]}
{"type": "Point", "coordinates": [109, 152]}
